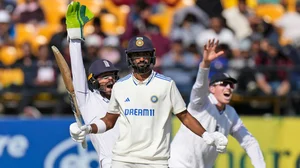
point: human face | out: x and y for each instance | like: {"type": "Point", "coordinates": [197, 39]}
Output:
{"type": "Point", "coordinates": [141, 61]}
{"type": "Point", "coordinates": [222, 90]}
{"type": "Point", "coordinates": [106, 81]}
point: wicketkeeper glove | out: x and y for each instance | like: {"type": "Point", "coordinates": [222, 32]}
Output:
{"type": "Point", "coordinates": [76, 17]}
{"type": "Point", "coordinates": [78, 134]}
{"type": "Point", "coordinates": [217, 139]}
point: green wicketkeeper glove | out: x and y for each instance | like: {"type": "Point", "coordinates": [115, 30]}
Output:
{"type": "Point", "coordinates": [77, 16]}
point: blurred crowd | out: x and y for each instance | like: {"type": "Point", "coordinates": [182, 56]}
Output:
{"type": "Point", "coordinates": [260, 40]}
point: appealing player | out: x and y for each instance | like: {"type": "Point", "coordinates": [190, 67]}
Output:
{"type": "Point", "coordinates": [92, 103]}
{"type": "Point", "coordinates": [209, 105]}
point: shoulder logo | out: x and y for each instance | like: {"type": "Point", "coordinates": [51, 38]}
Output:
{"type": "Point", "coordinates": [127, 100]}
{"type": "Point", "coordinates": [154, 99]}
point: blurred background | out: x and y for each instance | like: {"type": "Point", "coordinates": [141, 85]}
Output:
{"type": "Point", "coordinates": [261, 40]}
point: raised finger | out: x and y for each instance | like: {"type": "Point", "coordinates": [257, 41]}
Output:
{"type": "Point", "coordinates": [212, 43]}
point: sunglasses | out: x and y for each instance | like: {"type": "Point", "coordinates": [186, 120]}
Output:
{"type": "Point", "coordinates": [224, 84]}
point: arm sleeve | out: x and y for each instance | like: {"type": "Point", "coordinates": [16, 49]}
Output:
{"type": "Point", "coordinates": [113, 106]}
{"type": "Point", "coordinates": [250, 144]}
{"type": "Point", "coordinates": [78, 72]}
{"type": "Point", "coordinates": [177, 101]}
{"type": "Point", "coordinates": [199, 94]}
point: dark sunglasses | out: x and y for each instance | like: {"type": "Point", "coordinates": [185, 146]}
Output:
{"type": "Point", "coordinates": [225, 83]}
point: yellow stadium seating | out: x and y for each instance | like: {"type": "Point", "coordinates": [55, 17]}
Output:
{"type": "Point", "coordinates": [231, 3]}
{"type": "Point", "coordinates": [54, 10]}
{"type": "Point", "coordinates": [11, 76]}
{"type": "Point", "coordinates": [270, 12]}
{"type": "Point", "coordinates": [165, 18]}
{"type": "Point", "coordinates": [93, 5]}
{"type": "Point", "coordinates": [25, 32]}
{"type": "Point", "coordinates": [8, 55]}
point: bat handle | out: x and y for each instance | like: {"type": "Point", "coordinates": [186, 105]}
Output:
{"type": "Point", "coordinates": [84, 143]}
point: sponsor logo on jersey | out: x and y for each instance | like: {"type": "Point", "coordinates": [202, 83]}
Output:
{"type": "Point", "coordinates": [139, 112]}
{"type": "Point", "coordinates": [127, 100]}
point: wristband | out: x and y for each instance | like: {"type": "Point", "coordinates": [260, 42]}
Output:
{"type": "Point", "coordinates": [101, 126]}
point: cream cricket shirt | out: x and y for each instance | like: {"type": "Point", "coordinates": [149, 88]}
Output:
{"type": "Point", "coordinates": [145, 110]}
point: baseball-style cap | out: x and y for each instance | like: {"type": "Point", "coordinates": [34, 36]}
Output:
{"type": "Point", "coordinates": [100, 66]}
{"type": "Point", "coordinates": [139, 44]}
{"type": "Point", "coordinates": [221, 77]}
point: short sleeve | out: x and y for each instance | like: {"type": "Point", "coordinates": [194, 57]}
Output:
{"type": "Point", "coordinates": [113, 106]}
{"type": "Point", "coordinates": [177, 101]}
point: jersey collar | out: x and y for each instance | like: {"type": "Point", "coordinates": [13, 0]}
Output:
{"type": "Point", "coordinates": [146, 81]}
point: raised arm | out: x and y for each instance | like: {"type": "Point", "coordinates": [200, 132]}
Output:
{"type": "Point", "coordinates": [78, 72]}
{"type": "Point", "coordinates": [75, 21]}
{"type": "Point", "coordinates": [199, 94]}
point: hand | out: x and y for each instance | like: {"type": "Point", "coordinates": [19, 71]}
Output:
{"type": "Point", "coordinates": [217, 139]}
{"type": "Point", "coordinates": [209, 53]}
{"type": "Point", "coordinates": [78, 134]}
{"type": "Point", "coordinates": [220, 142]}
{"type": "Point", "coordinates": [76, 17]}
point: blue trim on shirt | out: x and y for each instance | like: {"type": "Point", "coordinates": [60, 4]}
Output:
{"type": "Point", "coordinates": [124, 78]}
{"type": "Point", "coordinates": [151, 78]}
{"type": "Point", "coordinates": [160, 76]}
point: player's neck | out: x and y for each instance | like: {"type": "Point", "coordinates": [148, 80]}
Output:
{"type": "Point", "coordinates": [105, 95]}
{"type": "Point", "coordinates": [220, 106]}
{"type": "Point", "coordinates": [142, 77]}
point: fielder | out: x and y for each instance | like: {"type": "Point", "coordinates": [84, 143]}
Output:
{"type": "Point", "coordinates": [144, 102]}
{"type": "Point", "coordinates": [102, 76]}
{"type": "Point", "coordinates": [209, 105]}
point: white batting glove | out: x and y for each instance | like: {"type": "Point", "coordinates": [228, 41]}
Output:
{"type": "Point", "coordinates": [78, 134]}
{"type": "Point", "coordinates": [217, 139]}
{"type": "Point", "coordinates": [220, 142]}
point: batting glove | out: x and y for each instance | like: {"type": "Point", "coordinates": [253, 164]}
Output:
{"type": "Point", "coordinates": [220, 142]}
{"type": "Point", "coordinates": [78, 134]}
{"type": "Point", "coordinates": [76, 17]}
{"type": "Point", "coordinates": [216, 139]}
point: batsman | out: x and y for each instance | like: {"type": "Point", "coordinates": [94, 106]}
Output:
{"type": "Point", "coordinates": [93, 103]}
{"type": "Point", "coordinates": [142, 104]}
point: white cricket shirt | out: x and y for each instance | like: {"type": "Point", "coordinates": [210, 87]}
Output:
{"type": "Point", "coordinates": [145, 124]}
{"type": "Point", "coordinates": [189, 150]}
{"type": "Point", "coordinates": [92, 105]}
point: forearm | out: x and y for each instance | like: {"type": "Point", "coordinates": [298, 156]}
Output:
{"type": "Point", "coordinates": [79, 79]}
{"type": "Point", "coordinates": [104, 124]}
{"type": "Point", "coordinates": [191, 123]}
{"type": "Point", "coordinates": [255, 154]}
{"type": "Point", "coordinates": [251, 146]}
{"type": "Point", "coordinates": [200, 88]}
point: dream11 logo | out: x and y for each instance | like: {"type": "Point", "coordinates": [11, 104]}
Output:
{"type": "Point", "coordinates": [69, 154]}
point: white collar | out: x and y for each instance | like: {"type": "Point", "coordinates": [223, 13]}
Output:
{"type": "Point", "coordinates": [146, 81]}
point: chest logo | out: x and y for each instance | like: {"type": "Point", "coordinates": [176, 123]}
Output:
{"type": "Point", "coordinates": [154, 99]}
{"type": "Point", "coordinates": [127, 100]}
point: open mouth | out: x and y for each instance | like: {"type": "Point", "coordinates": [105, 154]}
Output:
{"type": "Point", "coordinates": [227, 94]}
{"type": "Point", "coordinates": [109, 86]}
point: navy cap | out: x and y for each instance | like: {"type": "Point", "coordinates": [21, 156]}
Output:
{"type": "Point", "coordinates": [221, 77]}
{"type": "Point", "coordinates": [100, 66]}
{"type": "Point", "coordinates": [139, 44]}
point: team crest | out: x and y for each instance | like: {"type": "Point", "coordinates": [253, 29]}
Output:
{"type": "Point", "coordinates": [139, 41]}
{"type": "Point", "coordinates": [154, 99]}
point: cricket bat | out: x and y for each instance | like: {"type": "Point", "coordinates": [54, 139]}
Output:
{"type": "Point", "coordinates": [66, 75]}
